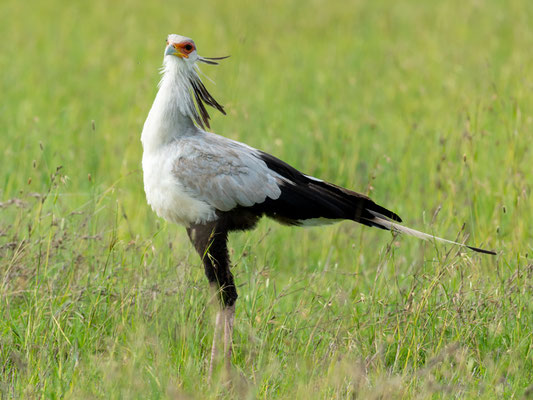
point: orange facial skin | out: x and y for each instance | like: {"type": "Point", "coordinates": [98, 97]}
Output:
{"type": "Point", "coordinates": [183, 49]}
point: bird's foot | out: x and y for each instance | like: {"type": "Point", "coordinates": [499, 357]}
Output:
{"type": "Point", "coordinates": [225, 317]}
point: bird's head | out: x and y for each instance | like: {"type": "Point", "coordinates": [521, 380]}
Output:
{"type": "Point", "coordinates": [181, 69]}
{"type": "Point", "coordinates": [183, 48]}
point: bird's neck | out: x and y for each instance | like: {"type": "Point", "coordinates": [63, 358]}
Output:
{"type": "Point", "coordinates": [170, 115]}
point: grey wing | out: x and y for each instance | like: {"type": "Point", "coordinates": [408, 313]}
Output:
{"type": "Point", "coordinates": [225, 174]}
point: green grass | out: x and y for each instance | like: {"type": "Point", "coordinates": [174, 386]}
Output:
{"type": "Point", "coordinates": [426, 106]}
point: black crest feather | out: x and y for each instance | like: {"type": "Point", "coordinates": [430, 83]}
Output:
{"type": "Point", "coordinates": [202, 97]}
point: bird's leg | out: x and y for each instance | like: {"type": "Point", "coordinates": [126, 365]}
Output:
{"type": "Point", "coordinates": [210, 241]}
{"type": "Point", "coordinates": [218, 326]}
{"type": "Point", "coordinates": [229, 316]}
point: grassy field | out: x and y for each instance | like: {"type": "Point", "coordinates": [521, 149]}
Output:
{"type": "Point", "coordinates": [426, 106]}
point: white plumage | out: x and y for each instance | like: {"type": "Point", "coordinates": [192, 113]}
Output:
{"type": "Point", "coordinates": [214, 185]}
{"type": "Point", "coordinates": [190, 173]}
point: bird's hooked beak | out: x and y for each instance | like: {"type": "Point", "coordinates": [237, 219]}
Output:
{"type": "Point", "coordinates": [171, 51]}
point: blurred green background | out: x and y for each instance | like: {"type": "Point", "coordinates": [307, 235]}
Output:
{"type": "Point", "coordinates": [425, 106]}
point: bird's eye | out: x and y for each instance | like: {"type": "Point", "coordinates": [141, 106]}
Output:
{"type": "Point", "coordinates": [188, 47]}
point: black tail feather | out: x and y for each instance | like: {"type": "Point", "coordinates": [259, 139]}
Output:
{"type": "Point", "coordinates": [479, 250]}
{"type": "Point", "coordinates": [307, 199]}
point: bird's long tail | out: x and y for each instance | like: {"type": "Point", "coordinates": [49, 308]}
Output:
{"type": "Point", "coordinates": [384, 222]}
{"type": "Point", "coordinates": [308, 201]}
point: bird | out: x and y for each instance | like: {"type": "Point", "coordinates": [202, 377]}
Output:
{"type": "Point", "coordinates": [213, 185]}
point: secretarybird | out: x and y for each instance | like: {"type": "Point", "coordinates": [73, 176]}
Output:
{"type": "Point", "coordinates": [213, 185]}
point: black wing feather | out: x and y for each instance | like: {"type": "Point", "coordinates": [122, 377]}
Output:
{"type": "Point", "coordinates": [305, 198]}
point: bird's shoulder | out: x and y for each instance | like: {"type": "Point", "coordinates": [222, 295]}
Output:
{"type": "Point", "coordinates": [211, 151]}
{"type": "Point", "coordinates": [223, 173]}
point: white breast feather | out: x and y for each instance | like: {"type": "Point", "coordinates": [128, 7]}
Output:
{"type": "Point", "coordinates": [166, 195]}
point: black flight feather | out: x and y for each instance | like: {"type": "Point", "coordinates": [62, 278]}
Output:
{"type": "Point", "coordinates": [303, 197]}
